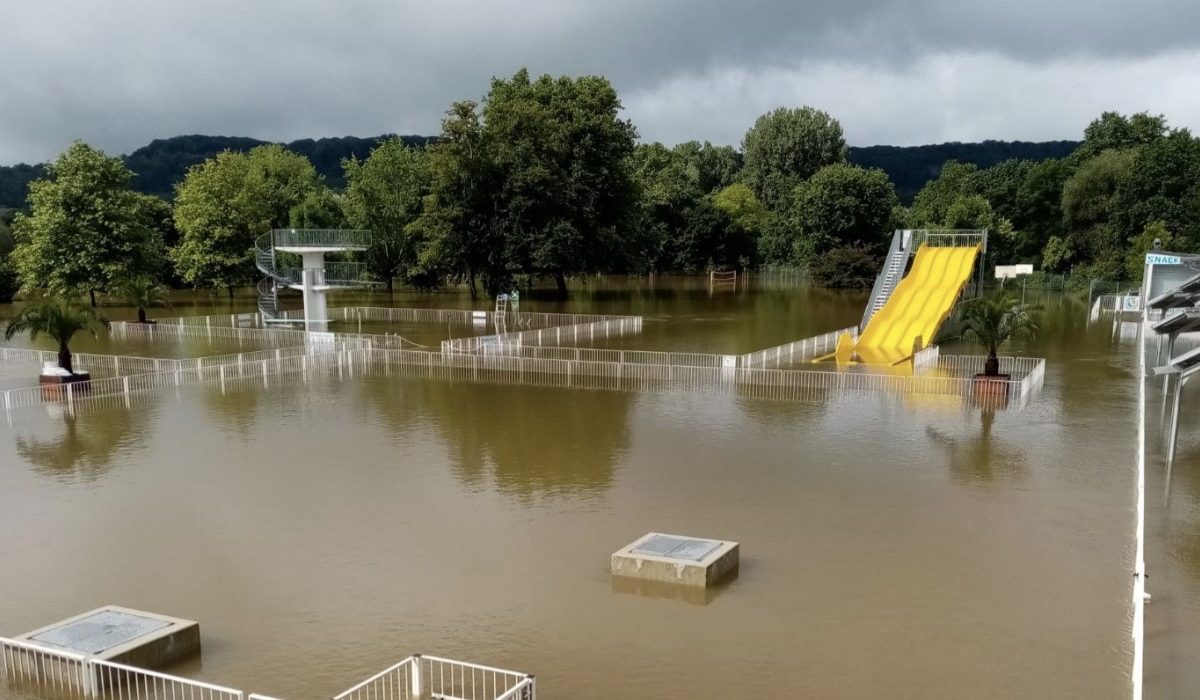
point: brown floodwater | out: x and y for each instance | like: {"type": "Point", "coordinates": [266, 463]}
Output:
{"type": "Point", "coordinates": [891, 547]}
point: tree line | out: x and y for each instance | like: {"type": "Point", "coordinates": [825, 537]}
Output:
{"type": "Point", "coordinates": [543, 179]}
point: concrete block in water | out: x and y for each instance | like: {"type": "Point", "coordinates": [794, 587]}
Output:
{"type": "Point", "coordinates": [122, 635]}
{"type": "Point", "coordinates": [688, 561]}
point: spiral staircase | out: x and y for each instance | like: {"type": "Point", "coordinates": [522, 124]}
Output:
{"type": "Point", "coordinates": [313, 276]}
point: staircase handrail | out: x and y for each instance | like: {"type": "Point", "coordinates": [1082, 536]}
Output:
{"type": "Point", "coordinates": [877, 289]}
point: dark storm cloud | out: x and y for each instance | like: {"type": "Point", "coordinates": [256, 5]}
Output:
{"type": "Point", "coordinates": [118, 73]}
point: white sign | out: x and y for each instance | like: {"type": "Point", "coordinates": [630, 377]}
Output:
{"type": "Point", "coordinates": [321, 338]}
{"type": "Point", "coordinates": [1010, 271]}
{"type": "Point", "coordinates": [729, 361]}
{"type": "Point", "coordinates": [245, 320]}
{"type": "Point", "coordinates": [1160, 259]}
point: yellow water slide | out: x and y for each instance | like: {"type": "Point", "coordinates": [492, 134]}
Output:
{"type": "Point", "coordinates": [919, 304]}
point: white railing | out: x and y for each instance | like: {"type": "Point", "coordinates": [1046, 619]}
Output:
{"type": "Point", "coordinates": [797, 350]}
{"type": "Point", "coordinates": [121, 682]}
{"type": "Point", "coordinates": [114, 392]}
{"type": "Point", "coordinates": [608, 327]}
{"type": "Point", "coordinates": [67, 674]}
{"type": "Point", "coordinates": [431, 676]}
{"type": "Point", "coordinates": [114, 364]}
{"type": "Point", "coordinates": [320, 238]}
{"type": "Point", "coordinates": [790, 384]}
{"type": "Point", "coordinates": [949, 238]}
{"type": "Point", "coordinates": [925, 358]}
{"type": "Point", "coordinates": [24, 664]}
{"type": "Point", "coordinates": [970, 365]}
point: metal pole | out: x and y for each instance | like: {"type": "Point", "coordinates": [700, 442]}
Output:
{"type": "Point", "coordinates": [1175, 419]}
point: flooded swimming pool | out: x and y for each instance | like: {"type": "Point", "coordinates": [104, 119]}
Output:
{"type": "Point", "coordinates": [891, 547]}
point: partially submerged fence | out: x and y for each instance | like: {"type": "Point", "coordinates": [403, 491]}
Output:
{"type": "Point", "coordinates": [584, 331]}
{"type": "Point", "coordinates": [797, 350]}
{"type": "Point", "coordinates": [791, 384]}
{"type": "Point", "coordinates": [258, 372]}
{"type": "Point", "coordinates": [420, 677]}
{"type": "Point", "coordinates": [69, 675]}
{"type": "Point", "coordinates": [65, 674]}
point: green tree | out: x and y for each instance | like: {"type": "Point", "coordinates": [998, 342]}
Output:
{"type": "Point", "coordinates": [738, 201]}
{"type": "Point", "coordinates": [141, 292]}
{"type": "Point", "coordinates": [1113, 131]}
{"type": "Point", "coordinates": [320, 208]}
{"type": "Point", "coordinates": [1057, 255]}
{"type": "Point", "coordinates": [710, 238]}
{"type": "Point", "coordinates": [384, 193]}
{"type": "Point", "coordinates": [850, 266]}
{"type": "Point", "coordinates": [562, 157]}
{"type": "Point", "coordinates": [1088, 204]}
{"type": "Point", "coordinates": [1156, 232]}
{"type": "Point", "coordinates": [226, 202]}
{"type": "Point", "coordinates": [710, 167]}
{"type": "Point", "coordinates": [786, 147]}
{"type": "Point", "coordinates": [1162, 183]}
{"type": "Point", "coordinates": [9, 283]}
{"type": "Point", "coordinates": [669, 189]}
{"type": "Point", "coordinates": [86, 227]}
{"type": "Point", "coordinates": [459, 228]}
{"type": "Point", "coordinates": [954, 181]}
{"type": "Point", "coordinates": [839, 205]}
{"type": "Point", "coordinates": [58, 319]}
{"type": "Point", "coordinates": [995, 320]}
{"type": "Point", "coordinates": [1038, 214]}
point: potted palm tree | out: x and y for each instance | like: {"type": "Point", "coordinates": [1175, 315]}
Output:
{"type": "Point", "coordinates": [141, 292]}
{"type": "Point", "coordinates": [60, 320]}
{"type": "Point", "coordinates": [992, 322]}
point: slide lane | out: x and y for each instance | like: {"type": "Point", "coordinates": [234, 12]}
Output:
{"type": "Point", "coordinates": [919, 305]}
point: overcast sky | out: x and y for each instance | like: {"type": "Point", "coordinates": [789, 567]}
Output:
{"type": "Point", "coordinates": [118, 73]}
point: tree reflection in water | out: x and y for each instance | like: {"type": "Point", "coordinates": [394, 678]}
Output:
{"type": "Point", "coordinates": [980, 458]}
{"type": "Point", "coordinates": [534, 440]}
{"type": "Point", "coordinates": [84, 445]}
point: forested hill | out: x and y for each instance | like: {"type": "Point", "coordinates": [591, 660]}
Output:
{"type": "Point", "coordinates": [910, 167]}
{"type": "Point", "coordinates": [163, 162]}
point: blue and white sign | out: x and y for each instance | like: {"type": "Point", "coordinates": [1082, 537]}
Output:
{"type": "Point", "coordinates": [1160, 259]}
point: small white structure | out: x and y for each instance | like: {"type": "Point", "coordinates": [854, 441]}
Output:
{"type": "Point", "coordinates": [689, 561]}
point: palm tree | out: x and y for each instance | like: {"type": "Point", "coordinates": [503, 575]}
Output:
{"type": "Point", "coordinates": [58, 319]}
{"type": "Point", "coordinates": [993, 321]}
{"type": "Point", "coordinates": [142, 292]}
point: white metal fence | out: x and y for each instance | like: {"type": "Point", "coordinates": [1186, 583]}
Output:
{"type": "Point", "coordinates": [65, 674]}
{"type": "Point", "coordinates": [344, 358]}
{"type": "Point", "coordinates": [793, 384]}
{"type": "Point", "coordinates": [430, 676]}
{"type": "Point", "coordinates": [797, 350]}
{"type": "Point", "coordinates": [587, 331]}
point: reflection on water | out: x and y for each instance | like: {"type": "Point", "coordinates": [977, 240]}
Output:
{"type": "Point", "coordinates": [692, 595]}
{"type": "Point", "coordinates": [529, 440]}
{"type": "Point", "coordinates": [980, 458]}
{"type": "Point", "coordinates": [82, 446]}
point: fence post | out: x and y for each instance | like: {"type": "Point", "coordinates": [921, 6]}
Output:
{"type": "Point", "coordinates": [221, 373]}
{"type": "Point", "coordinates": [416, 676]}
{"type": "Point", "coordinates": [70, 399]}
